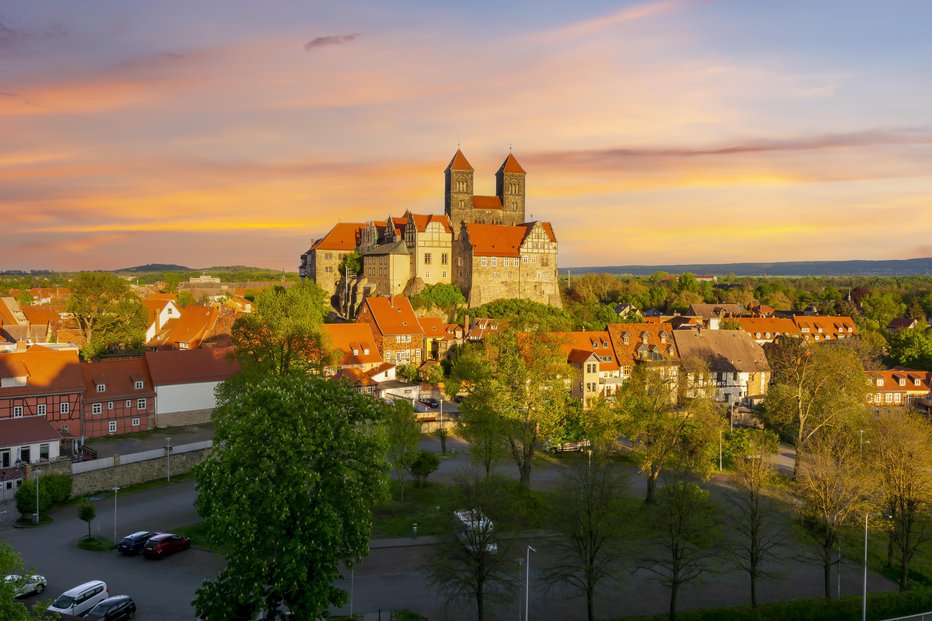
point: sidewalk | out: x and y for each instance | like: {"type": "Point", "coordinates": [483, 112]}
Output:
{"type": "Point", "coordinates": [134, 443]}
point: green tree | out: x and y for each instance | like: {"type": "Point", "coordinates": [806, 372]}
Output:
{"type": "Point", "coordinates": [284, 332]}
{"type": "Point", "coordinates": [352, 262]}
{"type": "Point", "coordinates": [910, 348]}
{"type": "Point", "coordinates": [439, 295]}
{"type": "Point", "coordinates": [422, 466]}
{"type": "Point", "coordinates": [430, 373]}
{"type": "Point", "coordinates": [591, 514]}
{"type": "Point", "coordinates": [108, 313]}
{"type": "Point", "coordinates": [403, 433]}
{"type": "Point", "coordinates": [685, 529]}
{"type": "Point", "coordinates": [881, 308]}
{"type": "Point", "coordinates": [87, 513]}
{"type": "Point", "coordinates": [171, 281]}
{"type": "Point", "coordinates": [814, 388]}
{"type": "Point", "coordinates": [297, 467]}
{"type": "Point", "coordinates": [901, 455]}
{"type": "Point", "coordinates": [11, 609]}
{"type": "Point", "coordinates": [185, 298]}
{"type": "Point", "coordinates": [481, 426]}
{"type": "Point", "coordinates": [407, 372]}
{"type": "Point", "coordinates": [25, 298]}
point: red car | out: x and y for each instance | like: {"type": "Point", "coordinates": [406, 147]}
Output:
{"type": "Point", "coordinates": [162, 545]}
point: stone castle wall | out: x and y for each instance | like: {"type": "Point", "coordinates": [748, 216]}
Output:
{"type": "Point", "coordinates": [123, 475]}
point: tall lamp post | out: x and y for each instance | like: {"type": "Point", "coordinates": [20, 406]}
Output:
{"type": "Point", "coordinates": [37, 473]}
{"type": "Point", "coordinates": [864, 595]}
{"type": "Point", "coordinates": [527, 579]}
{"type": "Point", "coordinates": [116, 491]}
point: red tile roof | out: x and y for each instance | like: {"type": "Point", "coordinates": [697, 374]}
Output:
{"type": "Point", "coordinates": [343, 236]}
{"type": "Point", "coordinates": [436, 328]}
{"type": "Point", "coordinates": [891, 380]}
{"type": "Point", "coordinates": [659, 347]}
{"type": "Point", "coordinates": [502, 240]}
{"type": "Point", "coordinates": [26, 430]}
{"type": "Point", "coordinates": [356, 377]}
{"type": "Point", "coordinates": [761, 327]}
{"type": "Point", "coordinates": [578, 346]}
{"type": "Point", "coordinates": [511, 165]}
{"type": "Point", "coordinates": [195, 324]}
{"type": "Point", "coordinates": [459, 162]}
{"type": "Point", "coordinates": [393, 315]}
{"type": "Point", "coordinates": [40, 314]}
{"type": "Point", "coordinates": [46, 370]}
{"type": "Point", "coordinates": [486, 202]}
{"type": "Point", "coordinates": [170, 367]}
{"type": "Point", "coordinates": [119, 377]}
{"type": "Point", "coordinates": [353, 340]}
{"type": "Point", "coordinates": [825, 327]}
{"type": "Point", "coordinates": [421, 221]}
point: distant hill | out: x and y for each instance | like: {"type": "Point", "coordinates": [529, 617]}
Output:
{"type": "Point", "coordinates": [905, 267]}
{"type": "Point", "coordinates": [155, 267]}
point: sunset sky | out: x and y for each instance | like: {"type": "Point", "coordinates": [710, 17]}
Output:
{"type": "Point", "coordinates": [224, 132]}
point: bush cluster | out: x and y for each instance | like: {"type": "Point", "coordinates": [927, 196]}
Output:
{"type": "Point", "coordinates": [54, 489]}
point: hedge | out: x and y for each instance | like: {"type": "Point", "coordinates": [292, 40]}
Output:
{"type": "Point", "coordinates": [54, 489]}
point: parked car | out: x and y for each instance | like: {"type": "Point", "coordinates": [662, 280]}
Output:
{"type": "Point", "coordinates": [80, 599]}
{"type": "Point", "coordinates": [474, 530]}
{"type": "Point", "coordinates": [116, 608]}
{"type": "Point", "coordinates": [165, 544]}
{"type": "Point", "coordinates": [134, 542]}
{"type": "Point", "coordinates": [26, 585]}
{"type": "Point", "coordinates": [431, 403]}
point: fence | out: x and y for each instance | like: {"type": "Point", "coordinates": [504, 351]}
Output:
{"type": "Point", "coordinates": [923, 616]}
{"type": "Point", "coordinates": [159, 453]}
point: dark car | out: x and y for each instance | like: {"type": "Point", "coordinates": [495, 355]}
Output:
{"type": "Point", "coordinates": [162, 545]}
{"type": "Point", "coordinates": [431, 403]}
{"type": "Point", "coordinates": [114, 608]}
{"type": "Point", "coordinates": [133, 543]}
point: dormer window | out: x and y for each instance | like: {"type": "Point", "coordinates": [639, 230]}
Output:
{"type": "Point", "coordinates": [626, 338]}
{"type": "Point", "coordinates": [820, 329]}
{"type": "Point", "coordinates": [644, 337]}
{"type": "Point", "coordinates": [138, 385]}
{"type": "Point", "coordinates": [767, 335]}
{"type": "Point", "coordinates": [101, 388]}
{"type": "Point", "coordinates": [355, 352]}
{"type": "Point", "coordinates": [757, 335]}
{"type": "Point", "coordinates": [880, 381]}
{"type": "Point", "coordinates": [902, 381]}
{"type": "Point", "coordinates": [916, 382]}
{"type": "Point", "coordinates": [663, 337]}
{"type": "Point", "coordinates": [366, 351]}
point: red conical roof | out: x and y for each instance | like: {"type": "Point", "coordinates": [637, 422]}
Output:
{"type": "Point", "coordinates": [511, 165]}
{"type": "Point", "coordinates": [459, 162]}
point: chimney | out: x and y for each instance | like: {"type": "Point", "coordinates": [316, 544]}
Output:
{"type": "Point", "coordinates": [466, 323]}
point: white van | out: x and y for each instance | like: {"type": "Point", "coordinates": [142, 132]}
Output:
{"type": "Point", "coordinates": [474, 530]}
{"type": "Point", "coordinates": [81, 598]}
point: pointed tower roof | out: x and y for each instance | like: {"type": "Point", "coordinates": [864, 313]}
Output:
{"type": "Point", "coordinates": [459, 162]}
{"type": "Point", "coordinates": [511, 165]}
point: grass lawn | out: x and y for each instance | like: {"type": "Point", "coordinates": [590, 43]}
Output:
{"type": "Point", "coordinates": [430, 506]}
{"type": "Point", "coordinates": [96, 544]}
{"type": "Point", "coordinates": [200, 536]}
{"type": "Point", "coordinates": [852, 546]}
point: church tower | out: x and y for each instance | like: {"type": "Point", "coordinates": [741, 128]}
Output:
{"type": "Point", "coordinates": [458, 193]}
{"type": "Point", "coordinates": [509, 187]}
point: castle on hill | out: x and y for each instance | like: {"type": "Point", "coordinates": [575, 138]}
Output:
{"type": "Point", "coordinates": [482, 244]}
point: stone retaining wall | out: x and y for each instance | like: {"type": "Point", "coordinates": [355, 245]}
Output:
{"type": "Point", "coordinates": [123, 475]}
{"type": "Point", "coordinates": [181, 419]}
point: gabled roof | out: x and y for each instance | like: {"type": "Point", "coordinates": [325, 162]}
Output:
{"type": "Point", "coordinates": [511, 165]}
{"type": "Point", "coordinates": [47, 370]}
{"type": "Point", "coordinates": [660, 345]}
{"type": "Point", "coordinates": [356, 376]}
{"type": "Point", "coordinates": [194, 325]}
{"type": "Point", "coordinates": [768, 327]}
{"type": "Point", "coordinates": [10, 313]}
{"type": "Point", "coordinates": [119, 378]}
{"type": "Point", "coordinates": [498, 240]}
{"type": "Point", "coordinates": [398, 247]}
{"type": "Point", "coordinates": [40, 315]}
{"type": "Point", "coordinates": [436, 328]}
{"type": "Point", "coordinates": [393, 315]}
{"type": "Point", "coordinates": [343, 236]}
{"type": "Point", "coordinates": [548, 228]}
{"type": "Point", "coordinates": [901, 323]}
{"type": "Point", "coordinates": [354, 341]}
{"type": "Point", "coordinates": [819, 327]}
{"type": "Point", "coordinates": [580, 346]}
{"type": "Point", "coordinates": [891, 380]}
{"type": "Point", "coordinates": [165, 297]}
{"type": "Point", "coordinates": [486, 202]}
{"type": "Point", "coordinates": [422, 221]}
{"type": "Point", "coordinates": [459, 162]}
{"type": "Point", "coordinates": [170, 367]}
{"type": "Point", "coordinates": [480, 326]}
{"type": "Point", "coordinates": [723, 350]}
{"type": "Point", "coordinates": [716, 311]}
{"type": "Point", "coordinates": [26, 430]}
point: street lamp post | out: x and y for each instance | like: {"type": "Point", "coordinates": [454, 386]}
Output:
{"type": "Point", "coordinates": [720, 468]}
{"type": "Point", "coordinates": [168, 458]}
{"type": "Point", "coordinates": [527, 579]}
{"type": "Point", "coordinates": [37, 473]}
{"type": "Point", "coordinates": [864, 595]}
{"type": "Point", "coordinates": [116, 491]}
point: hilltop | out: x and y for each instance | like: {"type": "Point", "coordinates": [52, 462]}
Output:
{"type": "Point", "coordinates": [904, 267]}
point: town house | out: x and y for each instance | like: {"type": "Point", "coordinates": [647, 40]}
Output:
{"type": "Point", "coordinates": [395, 327]}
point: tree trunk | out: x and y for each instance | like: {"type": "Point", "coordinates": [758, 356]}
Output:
{"type": "Point", "coordinates": [753, 589]}
{"type": "Point", "coordinates": [590, 608]}
{"type": "Point", "coordinates": [673, 591]}
{"type": "Point", "coordinates": [480, 604]}
{"type": "Point", "coordinates": [827, 571]}
{"type": "Point", "coordinates": [652, 475]}
{"type": "Point", "coordinates": [525, 471]}
{"type": "Point", "coordinates": [904, 572]}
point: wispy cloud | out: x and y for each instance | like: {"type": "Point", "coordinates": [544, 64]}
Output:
{"type": "Point", "coordinates": [628, 14]}
{"type": "Point", "coordinates": [12, 38]}
{"type": "Point", "coordinates": [317, 42]}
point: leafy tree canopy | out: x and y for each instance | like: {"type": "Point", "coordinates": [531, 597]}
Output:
{"type": "Point", "coordinates": [440, 295]}
{"type": "Point", "coordinates": [108, 313]}
{"type": "Point", "coordinates": [297, 468]}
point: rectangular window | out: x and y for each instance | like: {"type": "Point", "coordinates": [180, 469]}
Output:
{"type": "Point", "coordinates": [44, 452]}
{"type": "Point", "coordinates": [494, 261]}
{"type": "Point", "coordinates": [64, 408]}
{"type": "Point", "coordinates": [135, 422]}
{"type": "Point", "coordinates": [443, 274]}
{"type": "Point", "coordinates": [427, 274]}
{"type": "Point", "coordinates": [128, 404]}
{"type": "Point", "coordinates": [443, 259]}
{"type": "Point", "coordinates": [111, 426]}
{"type": "Point", "coordinates": [109, 405]}
{"type": "Point", "coordinates": [141, 404]}
{"type": "Point", "coordinates": [25, 453]}
{"type": "Point", "coordinates": [896, 397]}
{"type": "Point", "coordinates": [101, 388]}
{"type": "Point", "coordinates": [484, 261]}
{"type": "Point", "coordinates": [40, 409]}
{"type": "Point", "coordinates": [17, 411]}
{"type": "Point", "coordinates": [96, 408]}
{"type": "Point", "coordinates": [64, 429]}
{"type": "Point", "coordinates": [138, 385]}
{"type": "Point", "coordinates": [426, 258]}
{"type": "Point", "coordinates": [524, 259]}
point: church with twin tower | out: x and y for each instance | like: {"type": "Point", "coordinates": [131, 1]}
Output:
{"type": "Point", "coordinates": [482, 244]}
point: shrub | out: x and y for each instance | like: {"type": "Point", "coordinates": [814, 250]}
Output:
{"type": "Point", "coordinates": [423, 464]}
{"type": "Point", "coordinates": [54, 489]}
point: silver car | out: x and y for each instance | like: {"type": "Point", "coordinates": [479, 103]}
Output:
{"type": "Point", "coordinates": [26, 585]}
